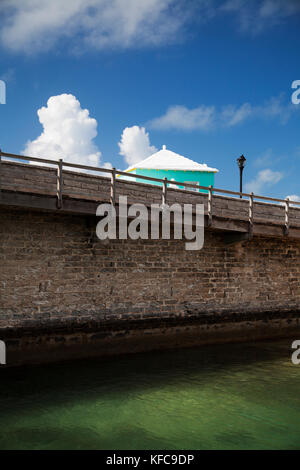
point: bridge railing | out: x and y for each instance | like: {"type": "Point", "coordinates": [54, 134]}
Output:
{"type": "Point", "coordinates": [165, 183]}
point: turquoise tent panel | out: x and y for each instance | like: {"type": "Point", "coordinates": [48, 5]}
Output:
{"type": "Point", "coordinates": [203, 178]}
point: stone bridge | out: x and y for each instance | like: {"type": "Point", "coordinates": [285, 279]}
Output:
{"type": "Point", "coordinates": [64, 293]}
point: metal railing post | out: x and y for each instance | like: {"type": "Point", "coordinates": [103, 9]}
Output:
{"type": "Point", "coordinates": [209, 205]}
{"type": "Point", "coordinates": [287, 217]}
{"type": "Point", "coordinates": [164, 192]}
{"type": "Point", "coordinates": [60, 184]}
{"type": "Point", "coordinates": [113, 187]}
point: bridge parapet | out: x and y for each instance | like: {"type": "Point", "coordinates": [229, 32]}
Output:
{"type": "Point", "coordinates": [79, 189]}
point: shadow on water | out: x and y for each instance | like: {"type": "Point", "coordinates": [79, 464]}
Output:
{"type": "Point", "coordinates": [77, 438]}
{"type": "Point", "coordinates": [67, 380]}
{"type": "Point", "coordinates": [163, 366]}
{"type": "Point", "coordinates": [150, 400]}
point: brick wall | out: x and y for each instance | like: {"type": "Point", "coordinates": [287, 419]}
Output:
{"type": "Point", "coordinates": [54, 269]}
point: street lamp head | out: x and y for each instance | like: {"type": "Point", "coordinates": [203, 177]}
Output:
{"type": "Point", "coordinates": [241, 161]}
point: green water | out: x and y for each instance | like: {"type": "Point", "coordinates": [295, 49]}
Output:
{"type": "Point", "coordinates": [244, 396]}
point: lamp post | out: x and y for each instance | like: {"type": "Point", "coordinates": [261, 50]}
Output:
{"type": "Point", "coordinates": [241, 163]}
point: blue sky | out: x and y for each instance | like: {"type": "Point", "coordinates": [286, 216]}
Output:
{"type": "Point", "coordinates": [210, 79]}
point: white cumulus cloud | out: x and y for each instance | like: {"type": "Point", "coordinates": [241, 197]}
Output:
{"type": "Point", "coordinates": [68, 132]}
{"type": "Point", "coordinates": [264, 179]}
{"type": "Point", "coordinates": [180, 117]}
{"type": "Point", "coordinates": [135, 145]}
{"type": "Point", "coordinates": [232, 115]}
{"type": "Point", "coordinates": [37, 25]}
{"type": "Point", "coordinates": [256, 15]}
{"type": "Point", "coordinates": [205, 118]}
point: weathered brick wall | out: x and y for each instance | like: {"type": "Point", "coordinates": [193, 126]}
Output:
{"type": "Point", "coordinates": [53, 269]}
